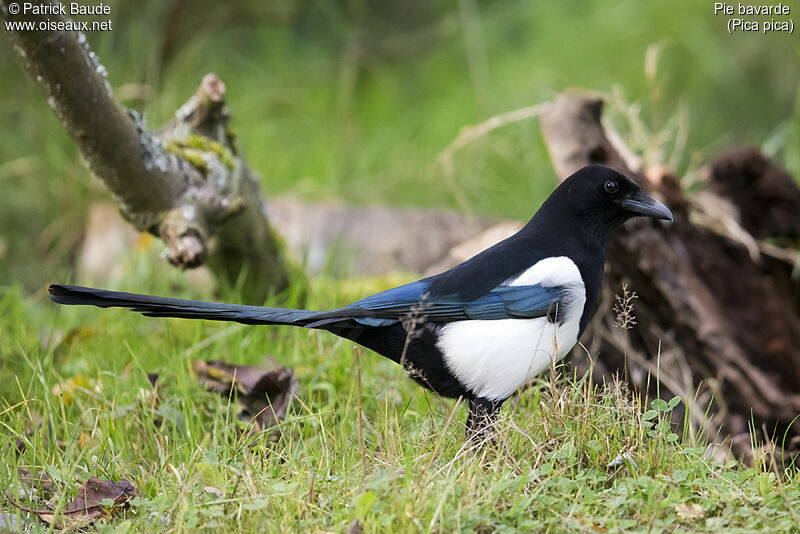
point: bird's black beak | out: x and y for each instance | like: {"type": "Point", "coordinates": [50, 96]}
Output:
{"type": "Point", "coordinates": [643, 204]}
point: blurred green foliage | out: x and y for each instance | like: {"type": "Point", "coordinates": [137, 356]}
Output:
{"type": "Point", "coordinates": [354, 99]}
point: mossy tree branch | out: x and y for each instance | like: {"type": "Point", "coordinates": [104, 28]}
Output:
{"type": "Point", "coordinates": [186, 184]}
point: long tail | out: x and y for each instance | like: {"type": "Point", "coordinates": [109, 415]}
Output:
{"type": "Point", "coordinates": [169, 307]}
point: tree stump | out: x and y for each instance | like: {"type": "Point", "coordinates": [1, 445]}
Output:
{"type": "Point", "coordinates": [720, 309]}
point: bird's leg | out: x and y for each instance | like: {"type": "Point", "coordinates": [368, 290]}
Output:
{"type": "Point", "coordinates": [481, 420]}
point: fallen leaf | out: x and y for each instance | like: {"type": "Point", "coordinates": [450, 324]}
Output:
{"type": "Point", "coordinates": [264, 394]}
{"type": "Point", "coordinates": [71, 386]}
{"type": "Point", "coordinates": [150, 396]}
{"type": "Point", "coordinates": [32, 428]}
{"type": "Point", "coordinates": [42, 481]}
{"type": "Point", "coordinates": [354, 527]}
{"type": "Point", "coordinates": [95, 499]}
{"type": "Point", "coordinates": [689, 511]}
{"type": "Point", "coordinates": [152, 378]}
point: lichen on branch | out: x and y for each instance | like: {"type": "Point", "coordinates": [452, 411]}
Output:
{"type": "Point", "coordinates": [185, 183]}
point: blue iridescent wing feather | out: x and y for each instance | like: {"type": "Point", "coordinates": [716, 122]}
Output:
{"type": "Point", "coordinates": [503, 302]}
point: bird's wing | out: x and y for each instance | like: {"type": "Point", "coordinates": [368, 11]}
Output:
{"type": "Point", "coordinates": [410, 300]}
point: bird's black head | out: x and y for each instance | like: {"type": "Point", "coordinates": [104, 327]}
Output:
{"type": "Point", "coordinates": [606, 198]}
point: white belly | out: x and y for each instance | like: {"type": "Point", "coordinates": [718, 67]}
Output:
{"type": "Point", "coordinates": [493, 359]}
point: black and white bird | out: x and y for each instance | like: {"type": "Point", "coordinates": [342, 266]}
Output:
{"type": "Point", "coordinates": [480, 330]}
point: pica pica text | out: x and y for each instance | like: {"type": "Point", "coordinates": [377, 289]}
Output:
{"type": "Point", "coordinates": [485, 327]}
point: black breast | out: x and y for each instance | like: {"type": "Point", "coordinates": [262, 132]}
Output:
{"type": "Point", "coordinates": [417, 352]}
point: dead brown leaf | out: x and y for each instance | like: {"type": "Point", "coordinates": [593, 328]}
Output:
{"type": "Point", "coordinates": [150, 397]}
{"type": "Point", "coordinates": [689, 511]}
{"type": "Point", "coordinates": [33, 427]}
{"type": "Point", "coordinates": [354, 527]}
{"type": "Point", "coordinates": [263, 394]}
{"type": "Point", "coordinates": [42, 481]}
{"type": "Point", "coordinates": [76, 384]}
{"type": "Point", "coordinates": [87, 506]}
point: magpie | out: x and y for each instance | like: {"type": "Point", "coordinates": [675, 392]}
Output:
{"type": "Point", "coordinates": [480, 330]}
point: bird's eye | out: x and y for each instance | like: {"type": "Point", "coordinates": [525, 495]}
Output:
{"type": "Point", "coordinates": [611, 187]}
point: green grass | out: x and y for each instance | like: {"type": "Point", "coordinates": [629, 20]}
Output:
{"type": "Point", "coordinates": [197, 467]}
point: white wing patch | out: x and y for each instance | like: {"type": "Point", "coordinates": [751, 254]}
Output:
{"type": "Point", "coordinates": [494, 358]}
